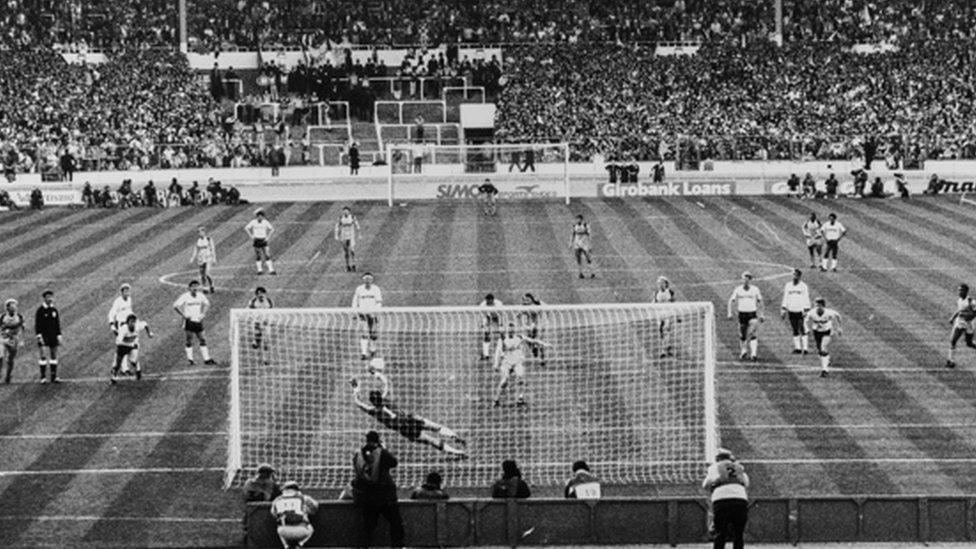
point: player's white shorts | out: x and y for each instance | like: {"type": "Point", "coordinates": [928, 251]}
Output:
{"type": "Point", "coordinates": [512, 367]}
{"type": "Point", "coordinates": [295, 533]}
{"type": "Point", "coordinates": [963, 324]}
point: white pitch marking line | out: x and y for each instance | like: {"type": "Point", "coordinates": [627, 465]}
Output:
{"type": "Point", "coordinates": [120, 471]}
{"type": "Point", "coordinates": [737, 427]}
{"type": "Point", "coordinates": [188, 376]}
{"type": "Point", "coordinates": [89, 518]}
{"type": "Point", "coordinates": [135, 434]}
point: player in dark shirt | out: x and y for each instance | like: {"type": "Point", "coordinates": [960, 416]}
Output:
{"type": "Point", "coordinates": [489, 195]}
{"type": "Point", "coordinates": [47, 326]}
{"type": "Point", "coordinates": [413, 428]}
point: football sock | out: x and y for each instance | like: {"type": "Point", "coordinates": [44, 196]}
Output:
{"type": "Point", "coordinates": [258, 265]}
{"type": "Point", "coordinates": [753, 346]}
{"type": "Point", "coordinates": [952, 354]}
{"type": "Point", "coordinates": [364, 346]}
{"type": "Point", "coordinates": [824, 263]}
{"type": "Point", "coordinates": [204, 352]}
{"type": "Point", "coordinates": [42, 365]}
{"type": "Point", "coordinates": [189, 352]}
{"type": "Point", "coordinates": [833, 263]}
{"type": "Point", "coordinates": [796, 342]}
{"type": "Point", "coordinates": [824, 362]}
{"type": "Point", "coordinates": [804, 342]}
{"type": "Point", "coordinates": [485, 349]}
{"type": "Point", "coordinates": [54, 369]}
{"type": "Point", "coordinates": [270, 265]}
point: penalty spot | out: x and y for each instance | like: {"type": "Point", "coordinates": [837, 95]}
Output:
{"type": "Point", "coordinates": [700, 205]}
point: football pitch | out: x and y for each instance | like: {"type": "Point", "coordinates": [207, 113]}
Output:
{"type": "Point", "coordinates": [84, 463]}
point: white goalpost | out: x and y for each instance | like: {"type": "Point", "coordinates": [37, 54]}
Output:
{"type": "Point", "coordinates": [520, 171]}
{"type": "Point", "coordinates": [627, 387]}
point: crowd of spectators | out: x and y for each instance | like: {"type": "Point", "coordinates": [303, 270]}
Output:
{"type": "Point", "coordinates": [245, 23]}
{"type": "Point", "coordinates": [225, 24]}
{"type": "Point", "coordinates": [580, 77]}
{"type": "Point", "coordinates": [760, 101]}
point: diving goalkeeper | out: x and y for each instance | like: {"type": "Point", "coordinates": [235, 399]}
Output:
{"type": "Point", "coordinates": [413, 428]}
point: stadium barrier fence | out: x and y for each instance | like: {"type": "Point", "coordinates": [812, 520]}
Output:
{"type": "Point", "coordinates": [478, 522]}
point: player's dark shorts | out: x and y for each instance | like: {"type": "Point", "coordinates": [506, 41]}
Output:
{"type": "Point", "coordinates": [818, 337]}
{"type": "Point", "coordinates": [408, 426]}
{"type": "Point", "coordinates": [192, 326]}
{"type": "Point", "coordinates": [370, 320]}
{"type": "Point", "coordinates": [796, 323]}
{"type": "Point", "coordinates": [48, 340]}
{"type": "Point", "coordinates": [817, 246]}
{"type": "Point", "coordinates": [831, 250]}
{"type": "Point", "coordinates": [260, 243]}
{"type": "Point", "coordinates": [744, 320]}
{"type": "Point", "coordinates": [122, 351]}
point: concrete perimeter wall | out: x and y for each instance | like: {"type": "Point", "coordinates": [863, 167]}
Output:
{"type": "Point", "coordinates": [473, 522]}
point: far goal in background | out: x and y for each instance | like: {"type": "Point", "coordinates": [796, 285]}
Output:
{"type": "Point", "coordinates": [522, 171]}
{"type": "Point", "coordinates": [630, 388]}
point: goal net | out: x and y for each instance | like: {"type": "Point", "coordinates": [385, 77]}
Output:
{"type": "Point", "coordinates": [628, 388]}
{"type": "Point", "coordinates": [420, 170]}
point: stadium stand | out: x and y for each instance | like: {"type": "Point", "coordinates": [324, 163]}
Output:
{"type": "Point", "coordinates": [578, 75]}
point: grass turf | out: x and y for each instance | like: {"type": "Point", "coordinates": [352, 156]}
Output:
{"type": "Point", "coordinates": [140, 464]}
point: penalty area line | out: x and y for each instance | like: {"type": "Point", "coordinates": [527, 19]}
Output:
{"type": "Point", "coordinates": [93, 518]}
{"type": "Point", "coordinates": [119, 471]}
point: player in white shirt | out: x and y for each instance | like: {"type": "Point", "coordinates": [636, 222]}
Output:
{"type": "Point", "coordinates": [832, 231]}
{"type": "Point", "coordinates": [796, 304]}
{"type": "Point", "coordinates": [490, 325]}
{"type": "Point", "coordinates": [824, 323]}
{"type": "Point", "coordinates": [580, 244]}
{"type": "Point", "coordinates": [192, 307]}
{"type": "Point", "coordinates": [260, 231]}
{"type": "Point", "coordinates": [665, 294]}
{"type": "Point", "coordinates": [346, 230]}
{"type": "Point", "coordinates": [962, 323]}
{"type": "Point", "coordinates": [127, 347]}
{"type": "Point", "coordinates": [748, 301]}
{"type": "Point", "coordinates": [121, 308]}
{"type": "Point", "coordinates": [814, 238]}
{"type": "Point", "coordinates": [367, 299]}
{"type": "Point", "coordinates": [510, 360]}
{"type": "Point", "coordinates": [205, 256]}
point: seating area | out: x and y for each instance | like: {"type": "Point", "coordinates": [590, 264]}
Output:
{"type": "Point", "coordinates": [804, 100]}
{"type": "Point", "coordinates": [578, 75]}
{"type": "Point", "coordinates": [246, 24]}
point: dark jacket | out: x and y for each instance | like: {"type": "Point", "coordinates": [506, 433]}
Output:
{"type": "Point", "coordinates": [512, 487]}
{"type": "Point", "coordinates": [372, 483]}
{"type": "Point", "coordinates": [47, 322]}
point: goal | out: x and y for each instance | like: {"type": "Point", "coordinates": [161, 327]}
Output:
{"type": "Point", "coordinates": [421, 170]}
{"type": "Point", "coordinates": [627, 387]}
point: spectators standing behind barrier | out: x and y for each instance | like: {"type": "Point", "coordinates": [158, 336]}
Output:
{"type": "Point", "coordinates": [292, 510]}
{"type": "Point", "coordinates": [262, 487]}
{"type": "Point", "coordinates": [431, 488]}
{"type": "Point", "coordinates": [374, 490]}
{"type": "Point", "coordinates": [583, 484]}
{"type": "Point", "coordinates": [510, 485]}
{"type": "Point", "coordinates": [726, 483]}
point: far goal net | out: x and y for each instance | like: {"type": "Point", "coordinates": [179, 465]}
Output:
{"type": "Point", "coordinates": [628, 388]}
{"type": "Point", "coordinates": [424, 171]}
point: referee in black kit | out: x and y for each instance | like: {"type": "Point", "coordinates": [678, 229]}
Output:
{"type": "Point", "coordinates": [47, 326]}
